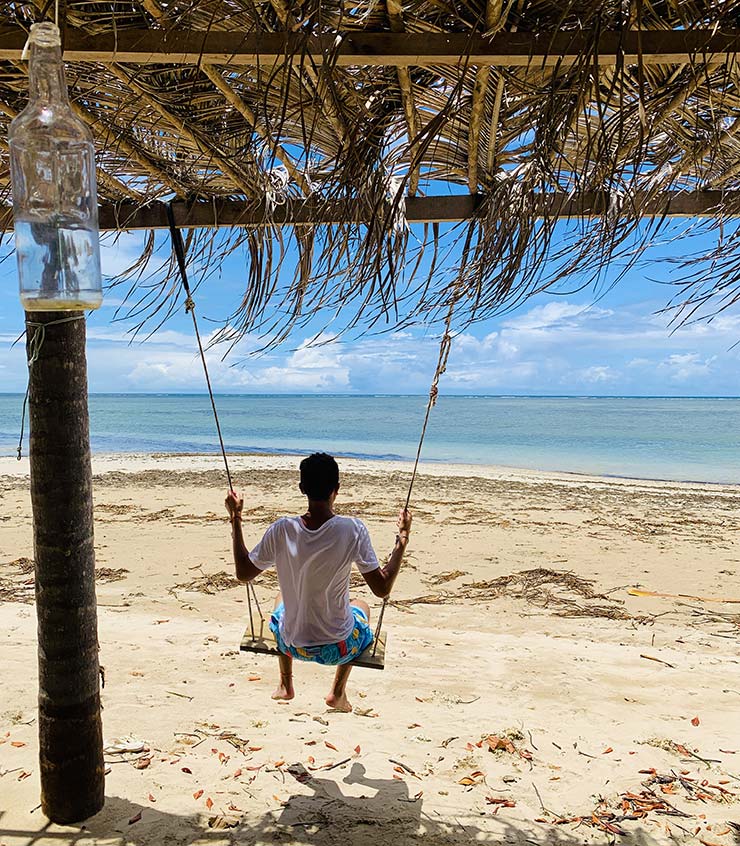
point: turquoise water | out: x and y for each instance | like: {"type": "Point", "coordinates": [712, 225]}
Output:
{"type": "Point", "coordinates": [653, 438]}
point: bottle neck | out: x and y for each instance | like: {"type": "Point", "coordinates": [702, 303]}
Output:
{"type": "Point", "coordinates": [46, 75]}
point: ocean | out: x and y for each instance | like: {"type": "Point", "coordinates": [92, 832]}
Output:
{"type": "Point", "coordinates": [692, 439]}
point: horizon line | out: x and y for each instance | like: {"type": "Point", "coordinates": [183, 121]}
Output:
{"type": "Point", "coordinates": [378, 395]}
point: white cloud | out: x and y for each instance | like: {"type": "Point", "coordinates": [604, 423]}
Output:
{"type": "Point", "coordinates": [682, 368]}
{"type": "Point", "coordinates": [563, 346]}
{"type": "Point", "coordinates": [558, 347]}
{"type": "Point", "coordinates": [117, 333]}
{"type": "Point", "coordinates": [598, 374]}
{"type": "Point", "coordinates": [479, 379]}
{"type": "Point", "coordinates": [558, 313]}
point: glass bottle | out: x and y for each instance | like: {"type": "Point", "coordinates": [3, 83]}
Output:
{"type": "Point", "coordinates": [55, 203]}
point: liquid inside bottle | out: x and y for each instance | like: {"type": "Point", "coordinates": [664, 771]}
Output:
{"type": "Point", "coordinates": [54, 193]}
{"type": "Point", "coordinates": [56, 263]}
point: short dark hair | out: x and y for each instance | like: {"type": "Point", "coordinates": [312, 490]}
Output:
{"type": "Point", "coordinates": [319, 476]}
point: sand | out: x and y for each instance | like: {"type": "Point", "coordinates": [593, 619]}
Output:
{"type": "Point", "coordinates": [527, 697]}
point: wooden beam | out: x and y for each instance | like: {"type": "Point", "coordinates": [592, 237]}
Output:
{"type": "Point", "coordinates": [309, 212]}
{"type": "Point", "coordinates": [128, 215]}
{"type": "Point", "coordinates": [354, 47]}
{"type": "Point", "coordinates": [394, 9]}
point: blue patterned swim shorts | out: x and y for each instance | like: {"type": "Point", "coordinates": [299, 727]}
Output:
{"type": "Point", "coordinates": [347, 650]}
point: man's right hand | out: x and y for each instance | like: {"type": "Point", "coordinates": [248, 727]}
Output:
{"type": "Point", "coordinates": [234, 504]}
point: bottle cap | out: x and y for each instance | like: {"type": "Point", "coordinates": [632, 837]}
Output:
{"type": "Point", "coordinates": [45, 35]}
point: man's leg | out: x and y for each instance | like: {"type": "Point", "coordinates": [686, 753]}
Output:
{"type": "Point", "coordinates": [362, 605]}
{"type": "Point", "coordinates": [337, 699]}
{"type": "Point", "coordinates": [285, 689]}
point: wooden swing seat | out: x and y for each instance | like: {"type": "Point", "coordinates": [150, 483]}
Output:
{"type": "Point", "coordinates": [263, 643]}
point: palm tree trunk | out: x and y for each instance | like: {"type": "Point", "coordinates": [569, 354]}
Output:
{"type": "Point", "coordinates": [70, 733]}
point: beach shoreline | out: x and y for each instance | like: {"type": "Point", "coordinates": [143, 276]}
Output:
{"type": "Point", "coordinates": [137, 462]}
{"type": "Point", "coordinates": [512, 617]}
{"type": "Point", "coordinates": [691, 440]}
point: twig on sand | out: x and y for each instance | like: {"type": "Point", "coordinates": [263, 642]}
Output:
{"type": "Point", "coordinates": [707, 761]}
{"type": "Point", "coordinates": [660, 799]}
{"type": "Point", "coordinates": [542, 804]}
{"type": "Point", "coordinates": [403, 767]}
{"type": "Point", "coordinates": [398, 607]}
{"type": "Point", "coordinates": [684, 830]}
{"type": "Point", "coordinates": [338, 764]}
{"type": "Point", "coordinates": [181, 695]}
{"type": "Point", "coordinates": [616, 589]}
{"type": "Point", "coordinates": [658, 660]}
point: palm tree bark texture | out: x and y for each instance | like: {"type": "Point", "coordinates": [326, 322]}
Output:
{"type": "Point", "coordinates": [70, 731]}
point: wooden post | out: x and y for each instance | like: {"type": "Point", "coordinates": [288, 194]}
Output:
{"type": "Point", "coordinates": [70, 733]}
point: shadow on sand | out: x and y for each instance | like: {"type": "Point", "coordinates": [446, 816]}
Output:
{"type": "Point", "coordinates": [383, 815]}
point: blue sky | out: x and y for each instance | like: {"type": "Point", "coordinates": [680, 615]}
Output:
{"type": "Point", "coordinates": [576, 343]}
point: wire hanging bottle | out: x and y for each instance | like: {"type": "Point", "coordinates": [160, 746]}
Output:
{"type": "Point", "coordinates": [55, 203]}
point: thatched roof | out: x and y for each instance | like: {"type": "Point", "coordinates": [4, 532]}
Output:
{"type": "Point", "coordinates": [369, 113]}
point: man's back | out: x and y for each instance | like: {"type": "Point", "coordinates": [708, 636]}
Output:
{"type": "Point", "coordinates": [314, 568]}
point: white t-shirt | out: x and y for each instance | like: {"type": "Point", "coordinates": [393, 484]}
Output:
{"type": "Point", "coordinates": [313, 568]}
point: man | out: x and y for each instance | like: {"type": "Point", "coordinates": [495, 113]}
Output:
{"type": "Point", "coordinates": [314, 618]}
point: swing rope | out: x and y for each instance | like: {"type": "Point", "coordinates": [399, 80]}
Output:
{"type": "Point", "coordinates": [179, 249]}
{"type": "Point", "coordinates": [444, 353]}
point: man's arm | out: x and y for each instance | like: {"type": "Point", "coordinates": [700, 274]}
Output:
{"type": "Point", "coordinates": [245, 569]}
{"type": "Point", "coordinates": [381, 581]}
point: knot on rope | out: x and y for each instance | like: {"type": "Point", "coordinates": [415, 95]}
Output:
{"type": "Point", "coordinates": [444, 353]}
{"type": "Point", "coordinates": [35, 342]}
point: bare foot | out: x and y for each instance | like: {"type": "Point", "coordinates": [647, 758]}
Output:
{"type": "Point", "coordinates": [339, 703]}
{"type": "Point", "coordinates": [285, 689]}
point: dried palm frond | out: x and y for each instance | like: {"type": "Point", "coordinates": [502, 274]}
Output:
{"type": "Point", "coordinates": [528, 139]}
